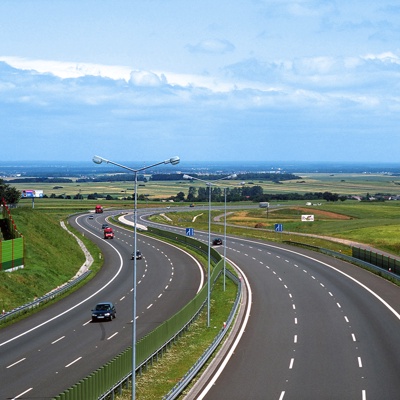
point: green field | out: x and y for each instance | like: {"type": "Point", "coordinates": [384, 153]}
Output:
{"type": "Point", "coordinates": [343, 184]}
{"type": "Point", "coordinates": [373, 223]}
{"type": "Point", "coordinates": [152, 190]}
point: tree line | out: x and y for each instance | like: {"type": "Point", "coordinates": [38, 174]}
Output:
{"type": "Point", "coordinates": [251, 193]}
{"type": "Point", "coordinates": [9, 193]}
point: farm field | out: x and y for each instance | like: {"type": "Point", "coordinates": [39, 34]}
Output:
{"type": "Point", "coordinates": [159, 190]}
{"type": "Point", "coordinates": [372, 223]}
{"type": "Point", "coordinates": [343, 184]}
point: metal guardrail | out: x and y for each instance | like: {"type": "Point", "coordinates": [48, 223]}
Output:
{"type": "Point", "coordinates": [193, 371]}
{"type": "Point", "coordinates": [109, 379]}
{"type": "Point", "coordinates": [41, 300]}
{"type": "Point", "coordinates": [353, 260]}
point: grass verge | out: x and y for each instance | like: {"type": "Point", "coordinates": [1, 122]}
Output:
{"type": "Point", "coordinates": [159, 379]}
{"type": "Point", "coordinates": [52, 257]}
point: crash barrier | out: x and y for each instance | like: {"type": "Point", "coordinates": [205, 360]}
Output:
{"type": "Point", "coordinates": [384, 272]}
{"type": "Point", "coordinates": [193, 371]}
{"type": "Point", "coordinates": [117, 373]}
{"type": "Point", "coordinates": [11, 254]}
{"type": "Point", "coordinates": [8, 316]}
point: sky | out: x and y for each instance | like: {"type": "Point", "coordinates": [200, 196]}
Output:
{"type": "Point", "coordinates": [226, 80]}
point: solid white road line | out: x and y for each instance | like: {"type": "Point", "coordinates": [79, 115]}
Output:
{"type": "Point", "coordinates": [236, 342]}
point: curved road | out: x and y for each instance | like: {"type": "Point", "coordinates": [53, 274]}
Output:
{"type": "Point", "coordinates": [53, 349]}
{"type": "Point", "coordinates": [316, 330]}
{"type": "Point", "coordinates": [319, 328]}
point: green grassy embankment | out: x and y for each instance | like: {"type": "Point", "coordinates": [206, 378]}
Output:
{"type": "Point", "coordinates": [52, 256]}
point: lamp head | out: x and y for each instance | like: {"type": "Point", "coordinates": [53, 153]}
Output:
{"type": "Point", "coordinates": [97, 160]}
{"type": "Point", "coordinates": [174, 160]}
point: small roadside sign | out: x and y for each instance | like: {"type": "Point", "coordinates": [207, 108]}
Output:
{"type": "Point", "coordinates": [278, 227]}
{"type": "Point", "coordinates": [189, 232]}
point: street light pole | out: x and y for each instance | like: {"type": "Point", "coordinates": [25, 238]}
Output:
{"type": "Point", "coordinates": [225, 238]}
{"type": "Point", "coordinates": [209, 256]}
{"type": "Point", "coordinates": [99, 160]}
{"type": "Point", "coordinates": [209, 184]}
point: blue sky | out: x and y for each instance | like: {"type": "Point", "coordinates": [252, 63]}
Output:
{"type": "Point", "coordinates": [242, 80]}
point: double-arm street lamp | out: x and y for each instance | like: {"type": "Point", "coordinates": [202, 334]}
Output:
{"type": "Point", "coordinates": [209, 184]}
{"type": "Point", "coordinates": [99, 160]}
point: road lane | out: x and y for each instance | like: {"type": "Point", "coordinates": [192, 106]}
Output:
{"type": "Point", "coordinates": [313, 332]}
{"type": "Point", "coordinates": [51, 356]}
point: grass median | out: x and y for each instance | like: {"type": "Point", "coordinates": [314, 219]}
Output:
{"type": "Point", "coordinates": [161, 377]}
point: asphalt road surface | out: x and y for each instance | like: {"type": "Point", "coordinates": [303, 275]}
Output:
{"type": "Point", "coordinates": [48, 352]}
{"type": "Point", "coordinates": [319, 328]}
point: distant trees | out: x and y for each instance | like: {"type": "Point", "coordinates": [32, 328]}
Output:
{"type": "Point", "coordinates": [266, 176]}
{"type": "Point", "coordinates": [41, 180]}
{"type": "Point", "coordinates": [9, 193]}
{"type": "Point", "coordinates": [328, 196]}
{"type": "Point", "coordinates": [254, 194]}
{"type": "Point", "coordinates": [180, 196]}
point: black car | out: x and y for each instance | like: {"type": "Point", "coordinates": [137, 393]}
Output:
{"type": "Point", "coordinates": [138, 255]}
{"type": "Point", "coordinates": [217, 242]}
{"type": "Point", "coordinates": [104, 226]}
{"type": "Point", "coordinates": [104, 311]}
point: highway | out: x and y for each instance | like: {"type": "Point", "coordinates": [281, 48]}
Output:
{"type": "Point", "coordinates": [53, 349]}
{"type": "Point", "coordinates": [319, 328]}
{"type": "Point", "coordinates": [315, 331]}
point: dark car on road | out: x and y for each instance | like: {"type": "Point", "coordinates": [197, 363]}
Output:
{"type": "Point", "coordinates": [138, 255]}
{"type": "Point", "coordinates": [217, 242]}
{"type": "Point", "coordinates": [103, 311]}
{"type": "Point", "coordinates": [104, 226]}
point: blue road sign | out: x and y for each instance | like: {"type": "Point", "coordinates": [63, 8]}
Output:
{"type": "Point", "coordinates": [278, 227]}
{"type": "Point", "coordinates": [189, 232]}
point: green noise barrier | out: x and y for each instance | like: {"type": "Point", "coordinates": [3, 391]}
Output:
{"type": "Point", "coordinates": [11, 254]}
{"type": "Point", "coordinates": [119, 370]}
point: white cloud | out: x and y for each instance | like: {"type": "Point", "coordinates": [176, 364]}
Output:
{"type": "Point", "coordinates": [387, 58]}
{"type": "Point", "coordinates": [68, 69]}
{"type": "Point", "coordinates": [324, 92]}
{"type": "Point", "coordinates": [251, 83]}
{"type": "Point", "coordinates": [147, 78]}
{"type": "Point", "coordinates": [212, 46]}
